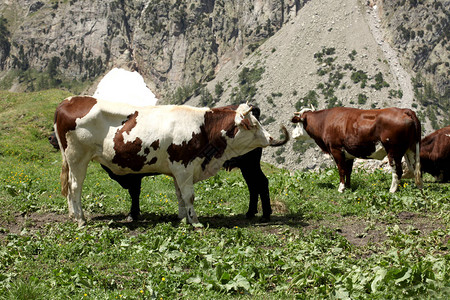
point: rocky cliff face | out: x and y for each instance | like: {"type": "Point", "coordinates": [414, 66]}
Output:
{"type": "Point", "coordinates": [420, 31]}
{"type": "Point", "coordinates": [172, 43]}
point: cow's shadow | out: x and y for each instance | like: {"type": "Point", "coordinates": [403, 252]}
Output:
{"type": "Point", "coordinates": [149, 220]}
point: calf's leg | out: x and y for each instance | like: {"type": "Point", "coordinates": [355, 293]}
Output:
{"type": "Point", "coordinates": [258, 186]}
{"type": "Point", "coordinates": [135, 191]}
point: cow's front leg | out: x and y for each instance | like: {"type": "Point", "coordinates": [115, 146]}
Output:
{"type": "Point", "coordinates": [340, 162]}
{"type": "Point", "coordinates": [185, 187]}
{"type": "Point", "coordinates": [181, 205]}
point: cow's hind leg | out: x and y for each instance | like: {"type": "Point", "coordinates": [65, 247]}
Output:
{"type": "Point", "coordinates": [395, 163]}
{"type": "Point", "coordinates": [258, 186]}
{"type": "Point", "coordinates": [348, 166]}
{"type": "Point", "coordinates": [77, 174]}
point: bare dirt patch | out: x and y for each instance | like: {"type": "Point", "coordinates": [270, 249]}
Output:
{"type": "Point", "coordinates": [358, 231]}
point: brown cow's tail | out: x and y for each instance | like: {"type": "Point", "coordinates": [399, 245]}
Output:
{"type": "Point", "coordinates": [418, 137]}
{"type": "Point", "coordinates": [417, 172]}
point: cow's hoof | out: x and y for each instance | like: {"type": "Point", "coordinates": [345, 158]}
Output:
{"type": "Point", "coordinates": [130, 218]}
{"type": "Point", "coordinates": [81, 223]}
{"type": "Point", "coordinates": [197, 226]}
{"type": "Point", "coordinates": [265, 219]}
{"type": "Point", "coordinates": [249, 216]}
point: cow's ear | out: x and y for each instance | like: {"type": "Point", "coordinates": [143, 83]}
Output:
{"type": "Point", "coordinates": [246, 124]}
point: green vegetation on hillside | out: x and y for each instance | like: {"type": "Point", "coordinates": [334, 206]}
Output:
{"type": "Point", "coordinates": [246, 89]}
{"type": "Point", "coordinates": [326, 62]}
{"type": "Point", "coordinates": [365, 243]}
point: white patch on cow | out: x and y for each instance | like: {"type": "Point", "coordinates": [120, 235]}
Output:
{"type": "Point", "coordinates": [341, 188]}
{"type": "Point", "coordinates": [395, 181]}
{"type": "Point", "coordinates": [123, 86]}
{"type": "Point", "coordinates": [379, 153]}
{"type": "Point", "coordinates": [159, 122]}
{"type": "Point", "coordinates": [447, 135]}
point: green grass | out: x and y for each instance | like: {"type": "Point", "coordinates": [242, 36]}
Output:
{"type": "Point", "coordinates": [362, 244]}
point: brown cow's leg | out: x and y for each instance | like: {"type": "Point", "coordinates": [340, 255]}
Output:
{"type": "Point", "coordinates": [340, 162]}
{"type": "Point", "coordinates": [348, 172]}
{"type": "Point", "coordinates": [396, 168]}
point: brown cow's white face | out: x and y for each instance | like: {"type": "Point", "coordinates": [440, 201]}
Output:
{"type": "Point", "coordinates": [299, 132]}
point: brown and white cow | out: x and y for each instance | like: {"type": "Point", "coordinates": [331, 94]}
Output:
{"type": "Point", "coordinates": [348, 133]}
{"type": "Point", "coordinates": [190, 144]}
{"type": "Point", "coordinates": [435, 154]}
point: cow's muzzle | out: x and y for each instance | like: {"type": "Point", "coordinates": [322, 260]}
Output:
{"type": "Point", "coordinates": [277, 143]}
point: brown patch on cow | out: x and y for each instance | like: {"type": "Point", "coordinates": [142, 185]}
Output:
{"type": "Point", "coordinates": [435, 154]}
{"type": "Point", "coordinates": [155, 145]}
{"type": "Point", "coordinates": [209, 142]}
{"type": "Point", "coordinates": [127, 153]}
{"type": "Point", "coordinates": [152, 161]}
{"type": "Point", "coordinates": [68, 111]}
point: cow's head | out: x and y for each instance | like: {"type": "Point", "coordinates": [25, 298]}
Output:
{"type": "Point", "coordinates": [250, 134]}
{"type": "Point", "coordinates": [299, 132]}
{"type": "Point", "coordinates": [53, 141]}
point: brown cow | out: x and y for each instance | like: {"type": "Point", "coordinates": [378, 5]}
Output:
{"type": "Point", "coordinates": [435, 154]}
{"type": "Point", "coordinates": [349, 133]}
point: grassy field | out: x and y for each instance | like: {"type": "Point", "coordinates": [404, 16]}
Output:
{"type": "Point", "coordinates": [363, 244]}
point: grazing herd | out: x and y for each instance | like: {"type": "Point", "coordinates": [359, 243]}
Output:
{"type": "Point", "coordinates": [191, 144]}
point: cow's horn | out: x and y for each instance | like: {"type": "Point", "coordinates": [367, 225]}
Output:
{"type": "Point", "coordinates": [246, 112]}
{"type": "Point", "coordinates": [312, 106]}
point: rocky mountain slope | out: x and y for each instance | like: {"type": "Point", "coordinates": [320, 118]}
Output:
{"type": "Point", "coordinates": [280, 55]}
{"type": "Point", "coordinates": [318, 58]}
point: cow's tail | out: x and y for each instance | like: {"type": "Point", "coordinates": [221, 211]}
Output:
{"type": "Point", "coordinates": [278, 143]}
{"type": "Point", "coordinates": [417, 138]}
{"type": "Point", "coordinates": [417, 172]}
{"type": "Point", "coordinates": [64, 177]}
